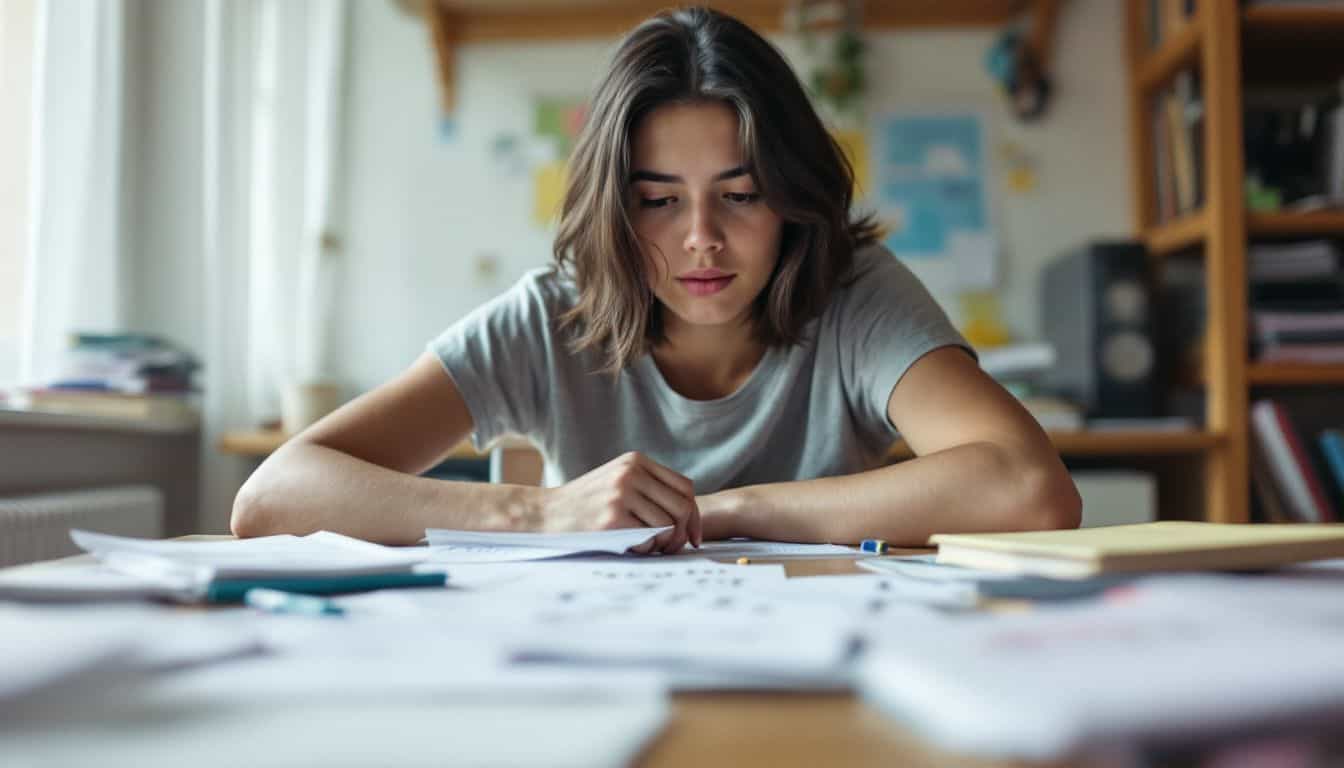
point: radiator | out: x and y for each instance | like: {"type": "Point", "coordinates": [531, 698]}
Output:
{"type": "Point", "coordinates": [37, 527]}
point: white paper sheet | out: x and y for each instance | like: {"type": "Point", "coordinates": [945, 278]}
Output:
{"type": "Point", "coordinates": [611, 570]}
{"type": "Point", "coordinates": [287, 712]}
{"type": "Point", "coordinates": [449, 546]}
{"type": "Point", "coordinates": [1171, 664]}
{"type": "Point", "coordinates": [45, 647]}
{"type": "Point", "coordinates": [769, 549]}
{"type": "Point", "coordinates": [921, 579]}
{"type": "Point", "coordinates": [871, 595]}
{"type": "Point", "coordinates": [74, 582]}
{"type": "Point", "coordinates": [319, 554]}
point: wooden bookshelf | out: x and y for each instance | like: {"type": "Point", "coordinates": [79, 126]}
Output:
{"type": "Point", "coordinates": [1177, 52]}
{"type": "Point", "coordinates": [1230, 47]}
{"type": "Point", "coordinates": [1176, 235]}
{"type": "Point", "coordinates": [1294, 375]}
{"type": "Point", "coordinates": [1209, 44]}
{"type": "Point", "coordinates": [1191, 229]}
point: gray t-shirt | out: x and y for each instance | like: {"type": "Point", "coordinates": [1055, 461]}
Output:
{"type": "Point", "coordinates": [817, 409]}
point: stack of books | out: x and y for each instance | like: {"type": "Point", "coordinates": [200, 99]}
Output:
{"type": "Point", "coordinates": [1297, 302]}
{"type": "Point", "coordinates": [1295, 480]}
{"type": "Point", "coordinates": [127, 376]}
{"type": "Point", "coordinates": [1178, 130]}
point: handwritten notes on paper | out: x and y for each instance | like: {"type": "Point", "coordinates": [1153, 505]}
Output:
{"type": "Point", "coordinates": [449, 546]}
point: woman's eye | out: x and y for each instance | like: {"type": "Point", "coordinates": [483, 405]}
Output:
{"type": "Point", "coordinates": [656, 202]}
{"type": "Point", "coordinates": [742, 197]}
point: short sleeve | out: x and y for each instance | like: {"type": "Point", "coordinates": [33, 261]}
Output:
{"type": "Point", "coordinates": [885, 321]}
{"type": "Point", "coordinates": [496, 356]}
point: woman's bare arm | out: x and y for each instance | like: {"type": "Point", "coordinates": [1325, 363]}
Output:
{"type": "Point", "coordinates": [983, 464]}
{"type": "Point", "coordinates": [356, 472]}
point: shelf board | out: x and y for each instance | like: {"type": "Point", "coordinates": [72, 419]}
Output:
{"type": "Point", "coordinates": [1290, 223]}
{"type": "Point", "coordinates": [1084, 443]}
{"type": "Point", "coordinates": [1293, 19]}
{"type": "Point", "coordinates": [260, 443]}
{"type": "Point", "coordinates": [1177, 52]}
{"type": "Point", "coordinates": [1177, 234]}
{"type": "Point", "coordinates": [494, 20]}
{"type": "Point", "coordinates": [1294, 374]}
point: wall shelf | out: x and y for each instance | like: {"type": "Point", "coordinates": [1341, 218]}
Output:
{"type": "Point", "coordinates": [1085, 443]}
{"type": "Point", "coordinates": [495, 20]}
{"type": "Point", "coordinates": [1294, 20]}
{"type": "Point", "coordinates": [260, 443]}
{"type": "Point", "coordinates": [1329, 222]}
{"type": "Point", "coordinates": [1294, 375]}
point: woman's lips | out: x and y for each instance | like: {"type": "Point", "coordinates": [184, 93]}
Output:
{"type": "Point", "coordinates": [701, 286]}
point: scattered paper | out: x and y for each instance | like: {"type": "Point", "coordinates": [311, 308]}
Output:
{"type": "Point", "coordinates": [319, 554]}
{"type": "Point", "coordinates": [1168, 660]}
{"type": "Point", "coordinates": [449, 546]}
{"type": "Point", "coordinates": [768, 550]}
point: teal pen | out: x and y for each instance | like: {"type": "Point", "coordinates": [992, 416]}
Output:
{"type": "Point", "coordinates": [275, 601]}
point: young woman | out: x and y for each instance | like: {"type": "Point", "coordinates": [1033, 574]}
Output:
{"type": "Point", "coordinates": [720, 347]}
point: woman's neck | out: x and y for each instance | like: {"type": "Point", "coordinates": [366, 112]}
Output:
{"type": "Point", "coordinates": [707, 362]}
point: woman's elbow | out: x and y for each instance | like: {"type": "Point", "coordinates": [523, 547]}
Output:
{"type": "Point", "coordinates": [250, 517]}
{"type": "Point", "coordinates": [1049, 500]}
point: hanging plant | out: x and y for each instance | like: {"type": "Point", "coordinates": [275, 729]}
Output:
{"type": "Point", "coordinates": [837, 79]}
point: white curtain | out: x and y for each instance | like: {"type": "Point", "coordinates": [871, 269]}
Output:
{"type": "Point", "coordinates": [75, 270]}
{"type": "Point", "coordinates": [254, 242]}
{"type": "Point", "coordinates": [273, 103]}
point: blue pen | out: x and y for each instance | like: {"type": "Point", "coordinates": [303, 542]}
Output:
{"type": "Point", "coordinates": [275, 601]}
{"type": "Point", "coordinates": [875, 546]}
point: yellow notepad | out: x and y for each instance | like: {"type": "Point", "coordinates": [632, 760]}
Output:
{"type": "Point", "coordinates": [1164, 546]}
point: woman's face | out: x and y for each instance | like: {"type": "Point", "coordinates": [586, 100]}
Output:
{"type": "Point", "coordinates": [708, 238]}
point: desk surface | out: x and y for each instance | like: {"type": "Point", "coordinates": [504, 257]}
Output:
{"type": "Point", "coordinates": [770, 729]}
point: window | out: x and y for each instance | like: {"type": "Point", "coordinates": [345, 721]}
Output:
{"type": "Point", "coordinates": [18, 28]}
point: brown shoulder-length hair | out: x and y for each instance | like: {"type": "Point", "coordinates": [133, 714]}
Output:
{"type": "Point", "coordinates": [694, 55]}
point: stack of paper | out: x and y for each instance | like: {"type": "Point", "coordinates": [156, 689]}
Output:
{"type": "Point", "coordinates": [221, 571]}
{"type": "Point", "coordinates": [921, 579]}
{"type": "Point", "coordinates": [1169, 662]}
{"type": "Point", "coordinates": [450, 546]}
{"type": "Point", "coordinates": [1164, 546]}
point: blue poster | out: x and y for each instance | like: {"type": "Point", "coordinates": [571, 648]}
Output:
{"type": "Point", "coordinates": [931, 182]}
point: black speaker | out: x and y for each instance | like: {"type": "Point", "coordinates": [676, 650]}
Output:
{"type": "Point", "coordinates": [1098, 311]}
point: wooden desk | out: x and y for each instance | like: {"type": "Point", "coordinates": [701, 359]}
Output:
{"type": "Point", "coordinates": [770, 729]}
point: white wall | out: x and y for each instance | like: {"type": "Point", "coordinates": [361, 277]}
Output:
{"type": "Point", "coordinates": [421, 209]}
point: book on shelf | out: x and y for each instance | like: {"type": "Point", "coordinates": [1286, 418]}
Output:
{"type": "Point", "coordinates": [1289, 463]}
{"type": "Point", "coordinates": [1267, 498]}
{"type": "Point", "coordinates": [1332, 450]}
{"type": "Point", "coordinates": [1178, 119]}
{"type": "Point", "coordinates": [164, 409]}
{"type": "Point", "coordinates": [1172, 545]}
{"type": "Point", "coordinates": [1310, 260]}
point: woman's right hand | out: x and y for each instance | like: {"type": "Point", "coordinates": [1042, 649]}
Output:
{"type": "Point", "coordinates": [630, 491]}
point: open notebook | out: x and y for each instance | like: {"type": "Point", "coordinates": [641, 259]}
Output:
{"type": "Point", "coordinates": [1163, 546]}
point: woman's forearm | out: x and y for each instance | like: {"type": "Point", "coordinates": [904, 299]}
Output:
{"type": "Point", "coordinates": [975, 487]}
{"type": "Point", "coordinates": [304, 487]}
